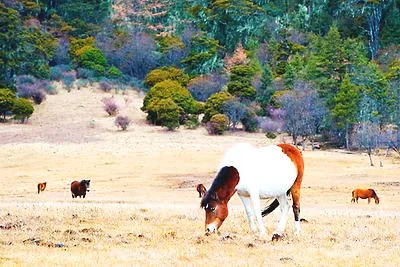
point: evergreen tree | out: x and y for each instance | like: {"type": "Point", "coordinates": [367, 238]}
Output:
{"type": "Point", "coordinates": [240, 83]}
{"type": "Point", "coordinates": [266, 90]}
{"type": "Point", "coordinates": [345, 110]}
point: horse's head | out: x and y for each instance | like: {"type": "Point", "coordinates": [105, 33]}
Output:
{"type": "Point", "coordinates": [86, 184]}
{"type": "Point", "coordinates": [215, 200]}
{"type": "Point", "coordinates": [376, 199]}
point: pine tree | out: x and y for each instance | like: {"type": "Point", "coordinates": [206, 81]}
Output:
{"type": "Point", "coordinates": [345, 109]}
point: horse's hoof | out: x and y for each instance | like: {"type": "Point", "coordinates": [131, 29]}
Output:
{"type": "Point", "coordinates": [277, 237]}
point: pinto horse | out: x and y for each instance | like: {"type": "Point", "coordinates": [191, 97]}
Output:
{"type": "Point", "coordinates": [364, 193]}
{"type": "Point", "coordinates": [255, 173]}
{"type": "Point", "coordinates": [80, 188]}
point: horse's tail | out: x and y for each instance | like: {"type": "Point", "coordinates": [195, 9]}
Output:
{"type": "Point", "coordinates": [353, 196]}
{"type": "Point", "coordinates": [271, 207]}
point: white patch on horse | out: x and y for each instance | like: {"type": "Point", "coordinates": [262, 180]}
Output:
{"type": "Point", "coordinates": [297, 227]}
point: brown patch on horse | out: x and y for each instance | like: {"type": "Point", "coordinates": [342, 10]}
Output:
{"type": "Point", "coordinates": [215, 200]}
{"type": "Point", "coordinates": [41, 187]}
{"type": "Point", "coordinates": [201, 189]}
{"type": "Point", "coordinates": [296, 156]}
{"type": "Point", "coordinates": [363, 194]}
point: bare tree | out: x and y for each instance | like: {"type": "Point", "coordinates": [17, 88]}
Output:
{"type": "Point", "coordinates": [368, 136]}
{"type": "Point", "coordinates": [304, 111]}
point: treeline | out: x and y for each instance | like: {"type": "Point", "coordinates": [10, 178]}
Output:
{"type": "Point", "coordinates": [314, 69]}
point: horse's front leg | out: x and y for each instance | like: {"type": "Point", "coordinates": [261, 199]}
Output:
{"type": "Point", "coordinates": [249, 212]}
{"type": "Point", "coordinates": [255, 200]}
{"type": "Point", "coordinates": [284, 205]}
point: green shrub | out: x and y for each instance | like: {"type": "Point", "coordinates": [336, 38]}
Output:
{"type": "Point", "coordinates": [92, 58]}
{"type": "Point", "coordinates": [215, 104]}
{"type": "Point", "coordinates": [76, 46]}
{"type": "Point", "coordinates": [250, 123]}
{"type": "Point", "coordinates": [168, 42]}
{"type": "Point", "coordinates": [7, 98]}
{"type": "Point", "coordinates": [270, 135]}
{"type": "Point", "coordinates": [240, 83]}
{"type": "Point", "coordinates": [22, 109]}
{"type": "Point", "coordinates": [165, 73]}
{"type": "Point", "coordinates": [191, 121]}
{"type": "Point", "coordinates": [114, 72]}
{"type": "Point", "coordinates": [165, 112]}
{"type": "Point", "coordinates": [218, 124]}
{"type": "Point", "coordinates": [170, 90]}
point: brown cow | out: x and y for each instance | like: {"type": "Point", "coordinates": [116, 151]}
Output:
{"type": "Point", "coordinates": [41, 187]}
{"type": "Point", "coordinates": [80, 188]}
{"type": "Point", "coordinates": [364, 193]}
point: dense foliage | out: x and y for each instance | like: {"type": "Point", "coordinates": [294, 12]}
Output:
{"type": "Point", "coordinates": [19, 108]}
{"type": "Point", "coordinates": [338, 62]}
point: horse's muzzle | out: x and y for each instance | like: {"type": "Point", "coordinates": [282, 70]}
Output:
{"type": "Point", "coordinates": [210, 229]}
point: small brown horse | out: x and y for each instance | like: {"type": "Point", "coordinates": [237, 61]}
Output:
{"type": "Point", "coordinates": [364, 193]}
{"type": "Point", "coordinates": [79, 189]}
{"type": "Point", "coordinates": [41, 187]}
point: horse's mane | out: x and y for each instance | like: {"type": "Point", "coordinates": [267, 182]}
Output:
{"type": "Point", "coordinates": [219, 181]}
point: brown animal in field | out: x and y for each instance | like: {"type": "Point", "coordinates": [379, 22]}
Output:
{"type": "Point", "coordinates": [79, 189]}
{"type": "Point", "coordinates": [41, 187]}
{"type": "Point", "coordinates": [201, 189]}
{"type": "Point", "coordinates": [364, 193]}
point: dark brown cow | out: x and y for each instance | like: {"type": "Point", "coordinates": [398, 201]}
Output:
{"type": "Point", "coordinates": [79, 189]}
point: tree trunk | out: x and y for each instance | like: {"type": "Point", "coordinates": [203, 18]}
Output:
{"type": "Point", "coordinates": [370, 157]}
{"type": "Point", "coordinates": [374, 17]}
{"type": "Point", "coordinates": [347, 136]}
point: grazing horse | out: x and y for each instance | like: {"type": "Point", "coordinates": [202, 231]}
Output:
{"type": "Point", "coordinates": [41, 187]}
{"type": "Point", "coordinates": [364, 193]}
{"type": "Point", "coordinates": [80, 188]}
{"type": "Point", "coordinates": [255, 173]}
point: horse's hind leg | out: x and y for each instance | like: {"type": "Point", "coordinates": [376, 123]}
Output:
{"type": "Point", "coordinates": [284, 204]}
{"type": "Point", "coordinates": [296, 209]}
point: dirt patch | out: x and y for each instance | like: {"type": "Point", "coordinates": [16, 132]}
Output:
{"type": "Point", "coordinates": [388, 184]}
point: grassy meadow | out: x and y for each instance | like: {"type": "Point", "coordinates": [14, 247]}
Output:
{"type": "Point", "coordinates": [143, 209]}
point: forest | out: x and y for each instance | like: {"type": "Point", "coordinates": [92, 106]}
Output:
{"type": "Point", "coordinates": [319, 70]}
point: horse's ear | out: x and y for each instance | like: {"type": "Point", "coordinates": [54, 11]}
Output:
{"type": "Point", "coordinates": [201, 189]}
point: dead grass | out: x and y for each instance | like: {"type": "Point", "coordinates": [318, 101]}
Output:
{"type": "Point", "coordinates": [143, 209]}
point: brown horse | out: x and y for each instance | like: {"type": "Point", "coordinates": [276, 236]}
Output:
{"type": "Point", "coordinates": [364, 193]}
{"type": "Point", "coordinates": [79, 189]}
{"type": "Point", "coordinates": [255, 173]}
{"type": "Point", "coordinates": [41, 187]}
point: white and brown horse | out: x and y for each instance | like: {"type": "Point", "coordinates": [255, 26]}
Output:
{"type": "Point", "coordinates": [364, 193]}
{"type": "Point", "coordinates": [255, 173]}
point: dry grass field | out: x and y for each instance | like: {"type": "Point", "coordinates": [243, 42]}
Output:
{"type": "Point", "coordinates": [143, 209]}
